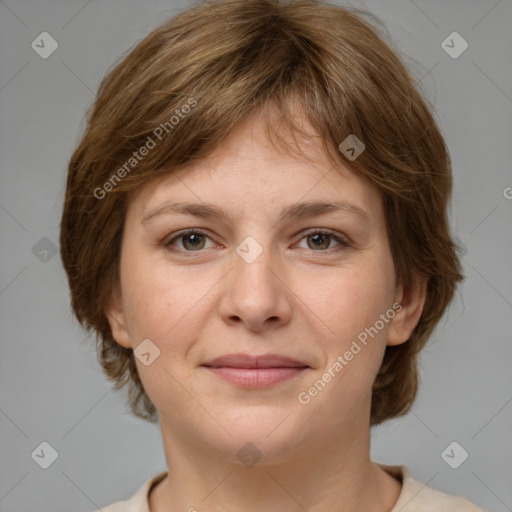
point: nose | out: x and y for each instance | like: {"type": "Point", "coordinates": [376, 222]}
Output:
{"type": "Point", "coordinates": [256, 294]}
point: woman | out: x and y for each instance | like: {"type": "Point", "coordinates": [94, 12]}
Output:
{"type": "Point", "coordinates": [255, 227]}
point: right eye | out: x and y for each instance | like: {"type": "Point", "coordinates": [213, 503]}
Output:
{"type": "Point", "coordinates": [192, 240]}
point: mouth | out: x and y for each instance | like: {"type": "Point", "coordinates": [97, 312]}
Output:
{"type": "Point", "coordinates": [255, 371]}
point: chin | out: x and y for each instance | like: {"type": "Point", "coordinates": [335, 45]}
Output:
{"type": "Point", "coordinates": [269, 432]}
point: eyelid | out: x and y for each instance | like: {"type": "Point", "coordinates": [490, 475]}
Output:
{"type": "Point", "coordinates": [342, 239]}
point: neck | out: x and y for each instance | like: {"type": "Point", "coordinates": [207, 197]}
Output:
{"type": "Point", "coordinates": [335, 475]}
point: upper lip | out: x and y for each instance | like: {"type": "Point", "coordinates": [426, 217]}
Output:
{"type": "Point", "coordinates": [261, 361]}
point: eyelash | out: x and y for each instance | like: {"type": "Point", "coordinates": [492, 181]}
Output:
{"type": "Point", "coordinates": [343, 242]}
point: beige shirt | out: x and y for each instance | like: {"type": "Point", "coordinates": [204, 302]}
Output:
{"type": "Point", "coordinates": [415, 497]}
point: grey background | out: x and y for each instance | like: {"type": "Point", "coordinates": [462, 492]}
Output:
{"type": "Point", "coordinates": [53, 389]}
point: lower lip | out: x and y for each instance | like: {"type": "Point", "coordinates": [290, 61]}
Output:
{"type": "Point", "coordinates": [255, 377]}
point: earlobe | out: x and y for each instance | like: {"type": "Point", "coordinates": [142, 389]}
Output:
{"type": "Point", "coordinates": [412, 300]}
{"type": "Point", "coordinates": [114, 312]}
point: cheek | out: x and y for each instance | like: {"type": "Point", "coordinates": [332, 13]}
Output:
{"type": "Point", "coordinates": [170, 308]}
{"type": "Point", "coordinates": [352, 298]}
{"type": "Point", "coordinates": [349, 304]}
{"type": "Point", "coordinates": [163, 303]}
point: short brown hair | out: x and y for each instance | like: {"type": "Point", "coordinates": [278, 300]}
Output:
{"type": "Point", "coordinates": [226, 60]}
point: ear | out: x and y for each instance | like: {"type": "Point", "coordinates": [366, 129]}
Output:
{"type": "Point", "coordinates": [412, 300]}
{"type": "Point", "coordinates": [117, 319]}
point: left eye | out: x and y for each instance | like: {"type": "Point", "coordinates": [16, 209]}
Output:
{"type": "Point", "coordinates": [194, 240]}
{"type": "Point", "coordinates": [322, 239]}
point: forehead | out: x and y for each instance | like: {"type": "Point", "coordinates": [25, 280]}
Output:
{"type": "Point", "coordinates": [248, 171]}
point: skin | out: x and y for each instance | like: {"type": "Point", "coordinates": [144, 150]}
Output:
{"type": "Point", "coordinates": [301, 298]}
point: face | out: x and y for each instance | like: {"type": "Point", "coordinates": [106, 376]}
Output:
{"type": "Point", "coordinates": [261, 272]}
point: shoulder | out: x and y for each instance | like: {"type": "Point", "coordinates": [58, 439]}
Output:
{"type": "Point", "coordinates": [139, 501]}
{"type": "Point", "coordinates": [417, 497]}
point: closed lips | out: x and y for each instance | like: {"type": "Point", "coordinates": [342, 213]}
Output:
{"type": "Point", "coordinates": [255, 372]}
{"type": "Point", "coordinates": [255, 362]}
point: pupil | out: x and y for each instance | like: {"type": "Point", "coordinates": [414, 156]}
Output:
{"type": "Point", "coordinates": [193, 239]}
{"type": "Point", "coordinates": [318, 238]}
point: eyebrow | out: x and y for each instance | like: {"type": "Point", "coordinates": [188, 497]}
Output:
{"type": "Point", "coordinates": [292, 211]}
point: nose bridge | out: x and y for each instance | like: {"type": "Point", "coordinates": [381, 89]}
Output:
{"type": "Point", "coordinates": [254, 293]}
